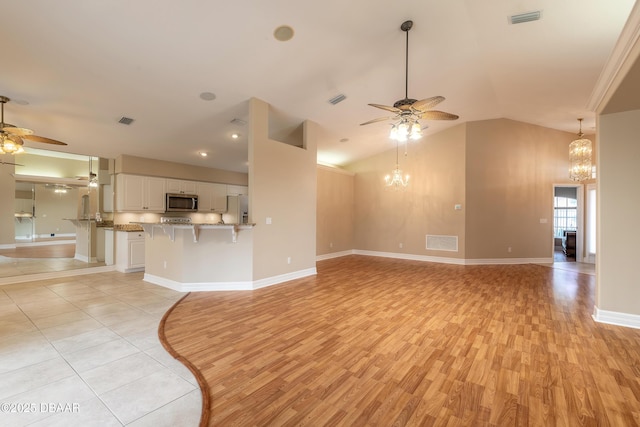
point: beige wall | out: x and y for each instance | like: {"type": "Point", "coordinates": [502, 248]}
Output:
{"type": "Point", "coordinates": [385, 218]}
{"type": "Point", "coordinates": [510, 172]}
{"type": "Point", "coordinates": [618, 208]}
{"type": "Point", "coordinates": [282, 183]}
{"type": "Point", "coordinates": [150, 167]}
{"type": "Point", "coordinates": [7, 194]}
{"type": "Point", "coordinates": [51, 208]}
{"type": "Point", "coordinates": [501, 171]}
{"type": "Point", "coordinates": [335, 211]}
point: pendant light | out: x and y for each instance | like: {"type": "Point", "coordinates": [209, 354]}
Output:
{"type": "Point", "coordinates": [580, 157]}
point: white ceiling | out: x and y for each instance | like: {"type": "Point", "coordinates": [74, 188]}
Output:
{"type": "Point", "coordinates": [82, 64]}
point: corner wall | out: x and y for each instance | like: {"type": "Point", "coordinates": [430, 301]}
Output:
{"type": "Point", "coordinates": [282, 188]}
{"type": "Point", "coordinates": [7, 195]}
{"type": "Point", "coordinates": [618, 204]}
{"type": "Point", "coordinates": [387, 219]}
{"type": "Point", "coordinates": [510, 171]}
{"type": "Point", "coordinates": [335, 211]}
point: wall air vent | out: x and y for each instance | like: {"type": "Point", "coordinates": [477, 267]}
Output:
{"type": "Point", "coordinates": [525, 17]}
{"type": "Point", "coordinates": [337, 99]}
{"type": "Point", "coordinates": [442, 243]}
{"type": "Point", "coordinates": [238, 122]}
{"type": "Point", "coordinates": [125, 120]}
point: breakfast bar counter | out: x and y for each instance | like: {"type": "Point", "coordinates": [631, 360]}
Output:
{"type": "Point", "coordinates": [191, 257]}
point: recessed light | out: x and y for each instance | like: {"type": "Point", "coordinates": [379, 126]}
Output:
{"type": "Point", "coordinates": [235, 135]}
{"type": "Point", "coordinates": [283, 33]}
{"type": "Point", "coordinates": [203, 154]}
{"type": "Point", "coordinates": [207, 96]}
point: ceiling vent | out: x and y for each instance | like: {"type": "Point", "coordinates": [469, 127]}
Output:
{"type": "Point", "coordinates": [337, 99]}
{"type": "Point", "coordinates": [238, 122]}
{"type": "Point", "coordinates": [125, 120]}
{"type": "Point", "coordinates": [525, 17]}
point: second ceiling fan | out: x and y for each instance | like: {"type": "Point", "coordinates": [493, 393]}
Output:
{"type": "Point", "coordinates": [409, 111]}
{"type": "Point", "coordinates": [11, 137]}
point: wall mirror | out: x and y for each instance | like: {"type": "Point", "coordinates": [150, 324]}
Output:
{"type": "Point", "coordinates": [55, 221]}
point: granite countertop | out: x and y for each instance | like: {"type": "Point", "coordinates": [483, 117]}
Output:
{"type": "Point", "coordinates": [127, 227]}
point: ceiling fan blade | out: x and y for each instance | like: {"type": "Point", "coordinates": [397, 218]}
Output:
{"type": "Point", "coordinates": [44, 140]}
{"type": "Point", "coordinates": [428, 103]}
{"type": "Point", "coordinates": [387, 108]}
{"type": "Point", "coordinates": [17, 131]}
{"type": "Point", "coordinates": [438, 115]}
{"type": "Point", "coordinates": [380, 119]}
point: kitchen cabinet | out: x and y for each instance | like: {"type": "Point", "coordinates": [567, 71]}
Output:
{"type": "Point", "coordinates": [130, 251]}
{"type": "Point", "coordinates": [212, 197]}
{"type": "Point", "coordinates": [180, 186]}
{"type": "Point", "coordinates": [135, 193]}
{"type": "Point", "coordinates": [237, 190]}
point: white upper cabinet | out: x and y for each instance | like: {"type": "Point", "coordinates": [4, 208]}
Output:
{"type": "Point", "coordinates": [135, 193]}
{"type": "Point", "coordinates": [180, 186]}
{"type": "Point", "coordinates": [212, 197]}
{"type": "Point", "coordinates": [237, 190]}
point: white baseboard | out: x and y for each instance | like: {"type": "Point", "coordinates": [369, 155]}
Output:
{"type": "Point", "coordinates": [8, 246]}
{"type": "Point", "coordinates": [45, 243]}
{"type": "Point", "coordinates": [334, 255]}
{"type": "Point", "coordinates": [413, 257]}
{"type": "Point", "coordinates": [55, 274]}
{"type": "Point", "coordinates": [227, 286]}
{"type": "Point", "coordinates": [507, 261]}
{"type": "Point", "coordinates": [616, 318]}
{"type": "Point", "coordinates": [442, 260]}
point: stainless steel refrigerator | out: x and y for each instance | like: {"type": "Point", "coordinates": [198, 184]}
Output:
{"type": "Point", "coordinates": [237, 210]}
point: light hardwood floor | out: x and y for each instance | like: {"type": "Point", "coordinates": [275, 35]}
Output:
{"type": "Point", "coordinates": [374, 341]}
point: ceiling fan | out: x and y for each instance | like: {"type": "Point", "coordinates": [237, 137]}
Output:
{"type": "Point", "coordinates": [409, 111]}
{"type": "Point", "coordinates": [11, 137]}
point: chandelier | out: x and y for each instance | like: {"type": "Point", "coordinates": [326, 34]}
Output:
{"type": "Point", "coordinates": [580, 157]}
{"type": "Point", "coordinates": [396, 180]}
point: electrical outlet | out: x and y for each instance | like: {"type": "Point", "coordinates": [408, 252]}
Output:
{"type": "Point", "coordinates": [509, 249]}
{"type": "Point", "coordinates": [331, 244]}
{"type": "Point", "coordinates": [288, 260]}
{"type": "Point", "coordinates": [165, 264]}
{"type": "Point", "coordinates": [268, 220]}
{"type": "Point", "coordinates": [401, 245]}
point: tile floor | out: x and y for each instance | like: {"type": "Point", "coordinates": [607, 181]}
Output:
{"type": "Point", "coordinates": [84, 350]}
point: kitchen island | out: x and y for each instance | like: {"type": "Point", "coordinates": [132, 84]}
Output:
{"type": "Point", "coordinates": [191, 257]}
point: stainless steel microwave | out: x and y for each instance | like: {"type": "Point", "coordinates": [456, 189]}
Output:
{"type": "Point", "coordinates": [181, 202]}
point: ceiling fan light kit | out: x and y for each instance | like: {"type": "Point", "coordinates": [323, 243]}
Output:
{"type": "Point", "coordinates": [409, 111]}
{"type": "Point", "coordinates": [11, 137]}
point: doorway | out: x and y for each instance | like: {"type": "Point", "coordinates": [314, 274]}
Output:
{"type": "Point", "coordinates": [568, 229]}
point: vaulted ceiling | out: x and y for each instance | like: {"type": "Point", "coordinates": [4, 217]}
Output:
{"type": "Point", "coordinates": [73, 68]}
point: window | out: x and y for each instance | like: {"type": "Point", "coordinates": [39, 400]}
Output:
{"type": "Point", "coordinates": [565, 215]}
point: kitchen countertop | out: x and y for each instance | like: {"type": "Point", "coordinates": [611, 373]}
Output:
{"type": "Point", "coordinates": [130, 228]}
{"type": "Point", "coordinates": [169, 228]}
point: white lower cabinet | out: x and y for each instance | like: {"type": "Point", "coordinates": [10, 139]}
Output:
{"type": "Point", "coordinates": [130, 251]}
